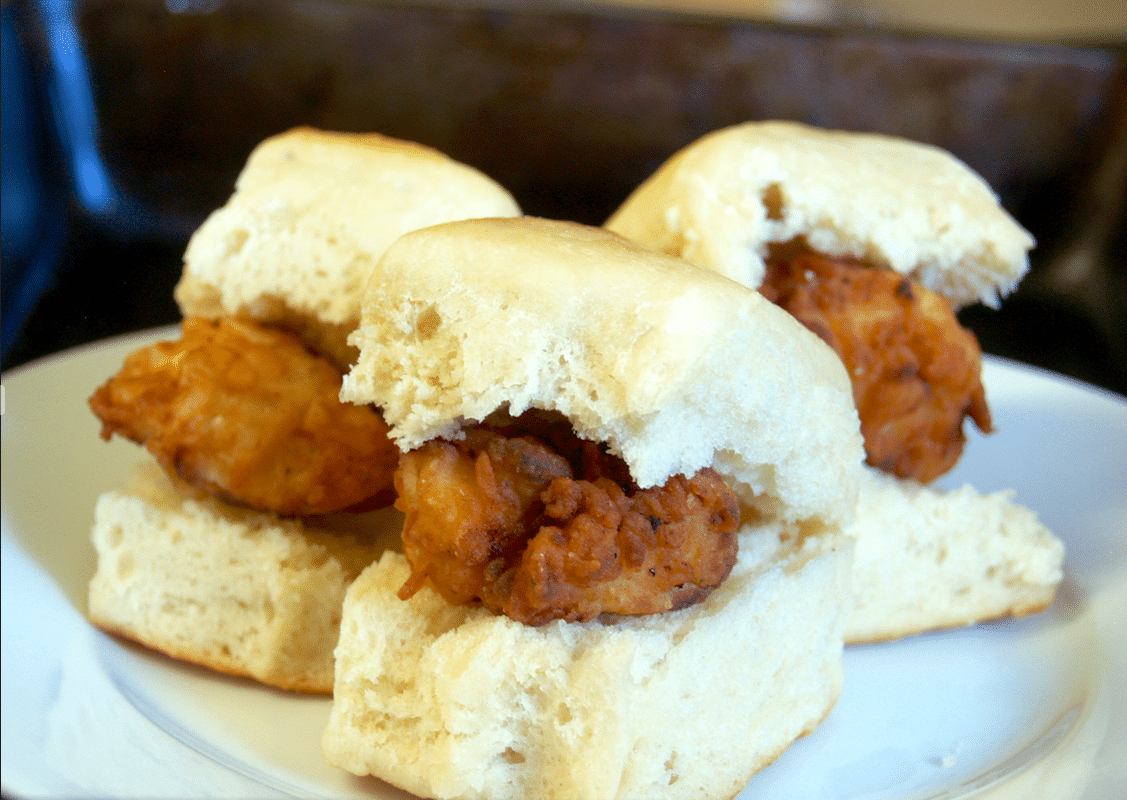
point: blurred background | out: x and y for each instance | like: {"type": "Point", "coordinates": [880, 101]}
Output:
{"type": "Point", "coordinates": [125, 122]}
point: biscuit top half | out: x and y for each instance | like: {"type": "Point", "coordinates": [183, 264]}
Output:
{"type": "Point", "coordinates": [311, 214]}
{"type": "Point", "coordinates": [726, 199]}
{"type": "Point", "coordinates": [674, 367]}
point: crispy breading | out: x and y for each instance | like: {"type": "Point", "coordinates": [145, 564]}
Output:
{"type": "Point", "coordinates": [469, 506]}
{"type": "Point", "coordinates": [508, 521]}
{"type": "Point", "coordinates": [916, 372]}
{"type": "Point", "coordinates": [246, 413]}
{"type": "Point", "coordinates": [603, 551]}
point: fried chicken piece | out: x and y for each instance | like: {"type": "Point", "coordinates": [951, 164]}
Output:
{"type": "Point", "coordinates": [602, 551]}
{"type": "Point", "coordinates": [469, 507]}
{"type": "Point", "coordinates": [916, 372]}
{"type": "Point", "coordinates": [246, 413]}
{"type": "Point", "coordinates": [509, 521]}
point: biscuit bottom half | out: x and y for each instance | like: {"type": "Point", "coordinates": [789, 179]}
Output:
{"type": "Point", "coordinates": [239, 591]}
{"type": "Point", "coordinates": [454, 702]}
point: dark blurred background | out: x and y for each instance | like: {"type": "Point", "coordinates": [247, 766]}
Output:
{"type": "Point", "coordinates": [125, 122]}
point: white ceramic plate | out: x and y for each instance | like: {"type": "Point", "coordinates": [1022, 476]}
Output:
{"type": "Point", "coordinates": [1032, 708]}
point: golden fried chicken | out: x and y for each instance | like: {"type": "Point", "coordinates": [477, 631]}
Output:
{"type": "Point", "coordinates": [469, 508]}
{"type": "Point", "coordinates": [509, 521]}
{"type": "Point", "coordinates": [246, 413]}
{"type": "Point", "coordinates": [603, 551]}
{"type": "Point", "coordinates": [916, 372]}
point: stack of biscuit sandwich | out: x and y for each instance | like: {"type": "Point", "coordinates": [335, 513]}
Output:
{"type": "Point", "coordinates": [562, 511]}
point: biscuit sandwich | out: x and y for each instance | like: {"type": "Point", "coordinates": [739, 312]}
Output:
{"type": "Point", "coordinates": [874, 243]}
{"type": "Point", "coordinates": [266, 495]}
{"type": "Point", "coordinates": [625, 484]}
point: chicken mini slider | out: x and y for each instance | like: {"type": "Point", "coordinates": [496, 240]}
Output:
{"type": "Point", "coordinates": [873, 242]}
{"type": "Point", "coordinates": [625, 482]}
{"type": "Point", "coordinates": [235, 552]}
